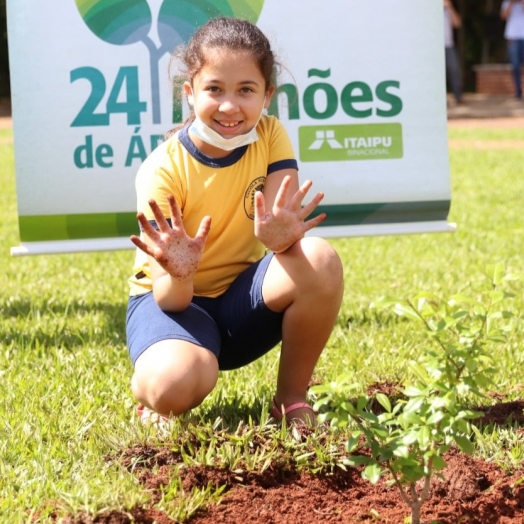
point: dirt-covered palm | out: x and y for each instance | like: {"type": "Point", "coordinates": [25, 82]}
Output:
{"type": "Point", "coordinates": [177, 252]}
{"type": "Point", "coordinates": [284, 224]}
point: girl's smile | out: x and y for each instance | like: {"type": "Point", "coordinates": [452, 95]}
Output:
{"type": "Point", "coordinates": [229, 127]}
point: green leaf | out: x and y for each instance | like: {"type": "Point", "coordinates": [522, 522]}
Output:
{"type": "Point", "coordinates": [401, 451]}
{"type": "Point", "coordinates": [348, 408]}
{"type": "Point", "coordinates": [409, 418]}
{"type": "Point", "coordinates": [362, 402]}
{"type": "Point", "coordinates": [435, 418]}
{"type": "Point", "coordinates": [440, 402]}
{"type": "Point", "coordinates": [460, 299]}
{"type": "Point", "coordinates": [410, 437]}
{"type": "Point", "coordinates": [513, 276]}
{"type": "Point", "coordinates": [464, 444]}
{"type": "Point", "coordinates": [461, 425]}
{"type": "Point", "coordinates": [470, 414]}
{"type": "Point", "coordinates": [421, 302]}
{"type": "Point", "coordinates": [420, 371]}
{"type": "Point", "coordinates": [358, 460]}
{"type": "Point", "coordinates": [383, 400]}
{"type": "Point", "coordinates": [352, 442]}
{"type": "Point", "coordinates": [405, 311]}
{"type": "Point", "coordinates": [497, 296]}
{"type": "Point", "coordinates": [321, 389]}
{"type": "Point", "coordinates": [372, 473]}
{"type": "Point", "coordinates": [424, 437]}
{"type": "Point", "coordinates": [412, 391]}
{"type": "Point", "coordinates": [380, 432]}
{"type": "Point", "coordinates": [383, 303]}
{"type": "Point", "coordinates": [414, 405]}
{"type": "Point", "coordinates": [438, 463]}
{"type": "Point", "coordinates": [412, 473]}
{"type": "Point", "coordinates": [495, 273]}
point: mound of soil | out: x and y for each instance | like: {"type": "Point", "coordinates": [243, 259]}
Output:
{"type": "Point", "coordinates": [472, 491]}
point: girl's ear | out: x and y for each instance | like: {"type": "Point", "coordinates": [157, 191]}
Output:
{"type": "Point", "coordinates": [188, 91]}
{"type": "Point", "coordinates": [269, 94]}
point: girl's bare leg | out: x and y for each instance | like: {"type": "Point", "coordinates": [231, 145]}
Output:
{"type": "Point", "coordinates": [306, 282]}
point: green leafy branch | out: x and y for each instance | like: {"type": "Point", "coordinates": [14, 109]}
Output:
{"type": "Point", "coordinates": [410, 437]}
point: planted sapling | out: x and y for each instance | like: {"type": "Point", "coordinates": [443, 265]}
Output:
{"type": "Point", "coordinates": [410, 437]}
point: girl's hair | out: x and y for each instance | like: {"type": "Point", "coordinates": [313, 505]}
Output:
{"type": "Point", "coordinates": [232, 34]}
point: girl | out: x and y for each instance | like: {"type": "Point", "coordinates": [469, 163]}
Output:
{"type": "Point", "coordinates": [229, 274]}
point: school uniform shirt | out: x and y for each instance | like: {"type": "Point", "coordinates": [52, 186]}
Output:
{"type": "Point", "coordinates": [222, 188]}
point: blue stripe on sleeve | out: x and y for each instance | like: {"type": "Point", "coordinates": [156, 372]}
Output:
{"type": "Point", "coordinates": [282, 164]}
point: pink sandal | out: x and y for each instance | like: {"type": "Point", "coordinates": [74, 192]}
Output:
{"type": "Point", "coordinates": [281, 413]}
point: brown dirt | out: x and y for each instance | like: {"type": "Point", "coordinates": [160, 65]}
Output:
{"type": "Point", "coordinates": [472, 491]}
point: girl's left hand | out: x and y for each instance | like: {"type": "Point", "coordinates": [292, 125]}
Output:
{"type": "Point", "coordinates": [279, 228]}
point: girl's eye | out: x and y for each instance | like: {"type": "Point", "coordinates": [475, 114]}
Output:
{"type": "Point", "coordinates": [213, 89]}
{"type": "Point", "coordinates": [246, 90]}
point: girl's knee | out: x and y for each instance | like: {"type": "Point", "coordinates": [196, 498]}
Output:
{"type": "Point", "coordinates": [172, 386]}
{"type": "Point", "coordinates": [323, 260]}
{"type": "Point", "coordinates": [310, 270]}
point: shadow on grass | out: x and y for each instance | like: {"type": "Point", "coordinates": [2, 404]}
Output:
{"type": "Point", "coordinates": [501, 414]}
{"type": "Point", "coordinates": [233, 410]}
{"type": "Point", "coordinates": [371, 317]}
{"type": "Point", "coordinates": [61, 324]}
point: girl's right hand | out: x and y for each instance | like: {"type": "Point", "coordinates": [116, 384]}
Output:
{"type": "Point", "coordinates": [173, 249]}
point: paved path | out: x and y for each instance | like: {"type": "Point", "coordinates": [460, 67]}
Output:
{"type": "Point", "coordinates": [478, 106]}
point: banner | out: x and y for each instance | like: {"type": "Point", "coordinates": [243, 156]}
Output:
{"type": "Point", "coordinates": [362, 95]}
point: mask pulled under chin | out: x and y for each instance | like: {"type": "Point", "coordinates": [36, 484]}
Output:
{"type": "Point", "coordinates": [211, 137]}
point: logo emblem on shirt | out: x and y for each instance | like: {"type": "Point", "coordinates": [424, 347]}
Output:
{"type": "Point", "coordinates": [249, 196]}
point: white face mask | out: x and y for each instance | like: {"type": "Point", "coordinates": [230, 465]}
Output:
{"type": "Point", "coordinates": [211, 137]}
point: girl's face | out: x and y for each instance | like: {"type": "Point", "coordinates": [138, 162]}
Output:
{"type": "Point", "coordinates": [228, 94]}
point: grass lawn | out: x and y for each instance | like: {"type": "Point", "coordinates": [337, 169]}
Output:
{"type": "Point", "coordinates": [64, 369]}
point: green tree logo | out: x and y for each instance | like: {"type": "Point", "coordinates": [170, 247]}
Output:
{"type": "Point", "coordinates": [125, 22]}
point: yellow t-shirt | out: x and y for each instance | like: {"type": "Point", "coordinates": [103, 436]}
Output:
{"type": "Point", "coordinates": [222, 188]}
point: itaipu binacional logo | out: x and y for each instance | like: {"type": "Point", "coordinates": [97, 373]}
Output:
{"type": "Point", "coordinates": [350, 142]}
{"type": "Point", "coordinates": [125, 22]}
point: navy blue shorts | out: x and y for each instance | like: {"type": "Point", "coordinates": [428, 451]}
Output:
{"type": "Point", "coordinates": [236, 327]}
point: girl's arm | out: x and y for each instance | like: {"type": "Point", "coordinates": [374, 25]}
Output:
{"type": "Point", "coordinates": [173, 255]}
{"type": "Point", "coordinates": [456, 20]}
{"type": "Point", "coordinates": [504, 14]}
{"type": "Point", "coordinates": [280, 217]}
